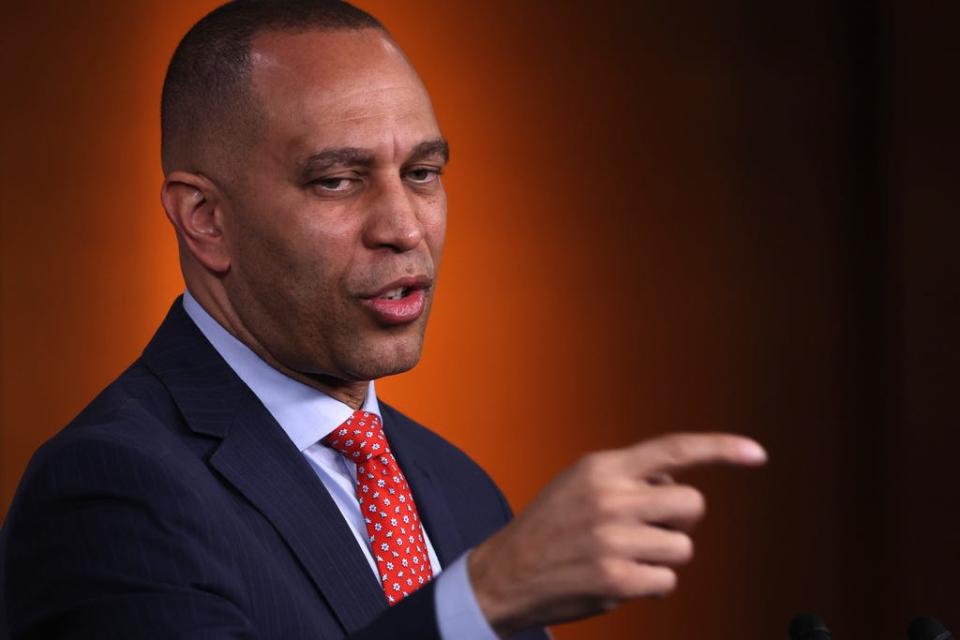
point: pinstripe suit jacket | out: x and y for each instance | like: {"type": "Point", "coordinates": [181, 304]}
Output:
{"type": "Point", "coordinates": [174, 506]}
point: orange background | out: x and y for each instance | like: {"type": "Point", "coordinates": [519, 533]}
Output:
{"type": "Point", "coordinates": [706, 216]}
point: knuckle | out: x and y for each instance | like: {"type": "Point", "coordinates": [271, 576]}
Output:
{"type": "Point", "coordinates": [684, 549]}
{"type": "Point", "coordinates": [695, 500]}
{"type": "Point", "coordinates": [660, 580]}
{"type": "Point", "coordinates": [611, 577]}
{"type": "Point", "coordinates": [660, 480]}
{"type": "Point", "coordinates": [596, 535]}
{"type": "Point", "coordinates": [603, 505]}
{"type": "Point", "coordinates": [675, 449]}
{"type": "Point", "coordinates": [591, 506]}
{"type": "Point", "coordinates": [592, 470]}
{"type": "Point", "coordinates": [605, 541]}
{"type": "Point", "coordinates": [648, 503]}
{"type": "Point", "coordinates": [590, 464]}
{"type": "Point", "coordinates": [668, 581]}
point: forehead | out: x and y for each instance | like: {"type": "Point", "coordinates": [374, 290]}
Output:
{"type": "Point", "coordinates": [342, 88]}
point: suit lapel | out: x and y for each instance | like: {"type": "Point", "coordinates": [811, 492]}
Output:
{"type": "Point", "coordinates": [260, 462]}
{"type": "Point", "coordinates": [431, 503]}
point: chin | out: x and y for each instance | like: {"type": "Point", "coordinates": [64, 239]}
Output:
{"type": "Point", "coordinates": [385, 356]}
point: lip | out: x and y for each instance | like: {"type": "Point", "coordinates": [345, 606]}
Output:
{"type": "Point", "coordinates": [403, 310]}
{"type": "Point", "coordinates": [410, 282]}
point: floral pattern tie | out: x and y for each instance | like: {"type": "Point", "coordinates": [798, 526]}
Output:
{"type": "Point", "coordinates": [393, 526]}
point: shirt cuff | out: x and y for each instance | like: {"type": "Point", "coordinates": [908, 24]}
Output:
{"type": "Point", "coordinates": [458, 614]}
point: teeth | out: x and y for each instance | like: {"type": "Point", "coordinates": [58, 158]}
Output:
{"type": "Point", "coordinates": [396, 294]}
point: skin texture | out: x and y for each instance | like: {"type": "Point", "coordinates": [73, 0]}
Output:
{"type": "Point", "coordinates": [285, 253]}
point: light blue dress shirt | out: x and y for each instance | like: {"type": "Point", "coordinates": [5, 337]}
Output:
{"type": "Point", "coordinates": [307, 415]}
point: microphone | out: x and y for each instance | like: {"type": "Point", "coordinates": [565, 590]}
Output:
{"type": "Point", "coordinates": [924, 628]}
{"type": "Point", "coordinates": [807, 626]}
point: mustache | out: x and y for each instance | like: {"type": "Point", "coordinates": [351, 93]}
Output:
{"type": "Point", "coordinates": [416, 273]}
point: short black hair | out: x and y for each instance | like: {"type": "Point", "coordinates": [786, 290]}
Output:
{"type": "Point", "coordinates": [206, 89]}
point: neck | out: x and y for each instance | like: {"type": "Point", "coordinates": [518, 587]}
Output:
{"type": "Point", "coordinates": [350, 392]}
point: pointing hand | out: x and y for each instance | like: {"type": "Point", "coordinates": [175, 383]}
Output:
{"type": "Point", "coordinates": [611, 528]}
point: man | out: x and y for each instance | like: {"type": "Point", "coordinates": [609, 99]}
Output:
{"type": "Point", "coordinates": [242, 479]}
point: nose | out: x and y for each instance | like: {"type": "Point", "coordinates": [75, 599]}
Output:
{"type": "Point", "coordinates": [393, 221]}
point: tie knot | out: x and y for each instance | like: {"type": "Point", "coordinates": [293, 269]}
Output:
{"type": "Point", "coordinates": [359, 438]}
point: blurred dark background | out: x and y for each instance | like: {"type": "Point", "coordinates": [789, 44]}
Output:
{"type": "Point", "coordinates": [663, 215]}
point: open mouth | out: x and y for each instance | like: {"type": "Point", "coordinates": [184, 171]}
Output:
{"type": "Point", "coordinates": [400, 302]}
{"type": "Point", "coordinates": [396, 294]}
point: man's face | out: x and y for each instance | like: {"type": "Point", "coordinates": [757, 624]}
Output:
{"type": "Point", "coordinates": [335, 219]}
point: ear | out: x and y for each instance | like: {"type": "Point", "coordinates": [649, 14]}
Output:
{"type": "Point", "coordinates": [192, 203]}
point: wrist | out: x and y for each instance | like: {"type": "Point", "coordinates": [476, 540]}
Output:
{"type": "Point", "coordinates": [492, 598]}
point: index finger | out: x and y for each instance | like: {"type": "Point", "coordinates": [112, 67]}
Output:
{"type": "Point", "coordinates": [682, 450]}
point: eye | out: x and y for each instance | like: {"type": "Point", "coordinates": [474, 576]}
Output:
{"type": "Point", "coordinates": [423, 175]}
{"type": "Point", "coordinates": [338, 185]}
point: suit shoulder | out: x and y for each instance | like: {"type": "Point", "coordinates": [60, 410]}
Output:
{"type": "Point", "coordinates": [135, 397]}
{"type": "Point", "coordinates": [130, 425]}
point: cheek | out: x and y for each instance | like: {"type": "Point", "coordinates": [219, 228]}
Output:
{"type": "Point", "coordinates": [435, 225]}
{"type": "Point", "coordinates": [328, 248]}
{"type": "Point", "coordinates": [290, 257]}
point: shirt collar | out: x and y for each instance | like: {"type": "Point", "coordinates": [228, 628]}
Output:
{"type": "Point", "coordinates": [305, 414]}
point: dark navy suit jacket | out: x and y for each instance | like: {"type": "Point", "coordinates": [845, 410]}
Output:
{"type": "Point", "coordinates": [175, 506]}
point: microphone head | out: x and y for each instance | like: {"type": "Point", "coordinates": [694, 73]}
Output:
{"type": "Point", "coordinates": [808, 626]}
{"type": "Point", "coordinates": [924, 628]}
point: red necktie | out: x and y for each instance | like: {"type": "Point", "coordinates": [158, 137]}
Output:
{"type": "Point", "coordinates": [393, 526]}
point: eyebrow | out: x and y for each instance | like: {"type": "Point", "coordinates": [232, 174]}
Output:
{"type": "Point", "coordinates": [437, 147]}
{"type": "Point", "coordinates": [356, 156]}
